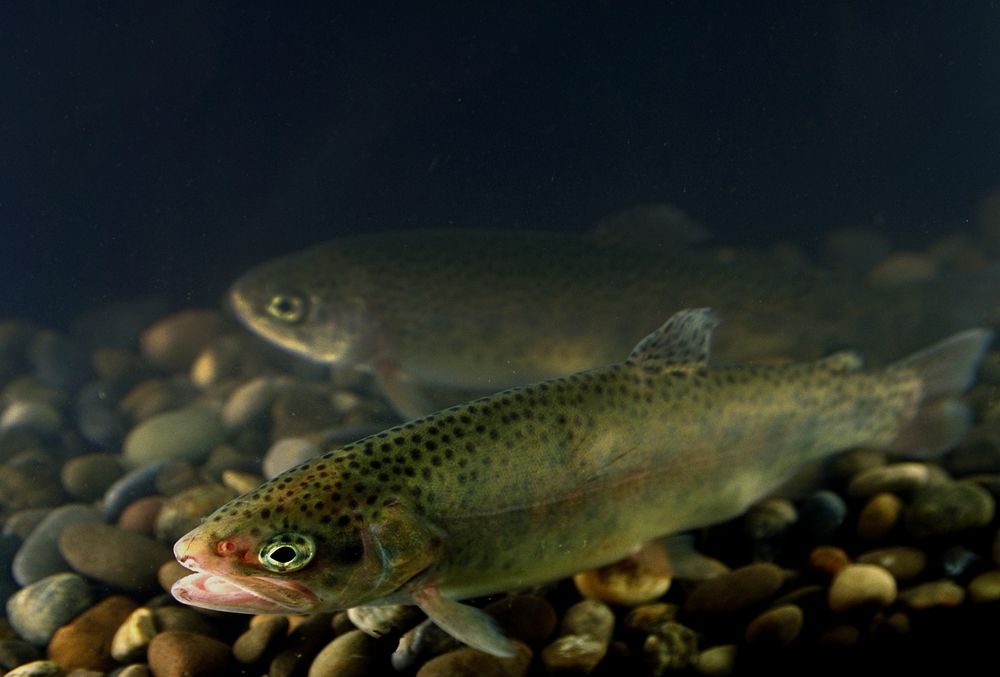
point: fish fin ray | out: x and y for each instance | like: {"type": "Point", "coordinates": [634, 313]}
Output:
{"type": "Point", "coordinates": [465, 623]}
{"type": "Point", "coordinates": [682, 343]}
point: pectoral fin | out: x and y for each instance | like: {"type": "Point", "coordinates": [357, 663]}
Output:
{"type": "Point", "coordinates": [465, 623]}
{"type": "Point", "coordinates": [401, 392]}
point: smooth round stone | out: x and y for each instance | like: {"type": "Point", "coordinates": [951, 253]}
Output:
{"type": "Point", "coordinates": [821, 514]}
{"type": "Point", "coordinates": [23, 522]}
{"type": "Point", "coordinates": [37, 610]}
{"type": "Point", "coordinates": [650, 618]}
{"type": "Point", "coordinates": [718, 661]}
{"type": "Point", "coordinates": [130, 486]}
{"type": "Point", "coordinates": [590, 618]}
{"type": "Point", "coordinates": [859, 585]}
{"type": "Point", "coordinates": [347, 656]}
{"type": "Point", "coordinates": [183, 512]}
{"type": "Point", "coordinates": [39, 556]}
{"type": "Point", "coordinates": [526, 617]}
{"type": "Point", "coordinates": [985, 587]}
{"type": "Point", "coordinates": [641, 578]}
{"type": "Point", "coordinates": [572, 653]}
{"type": "Point", "coordinates": [156, 396]}
{"type": "Point", "coordinates": [843, 467]}
{"type": "Point", "coordinates": [97, 416]}
{"type": "Point", "coordinates": [169, 573]}
{"type": "Point", "coordinates": [187, 654]}
{"type": "Point", "coordinates": [58, 361]}
{"type": "Point", "coordinates": [220, 360]}
{"type": "Point", "coordinates": [14, 652]}
{"type": "Point", "coordinates": [286, 454]}
{"type": "Point", "coordinates": [947, 508]}
{"type": "Point", "coordinates": [88, 477]}
{"type": "Point", "coordinates": [898, 478]}
{"type": "Point", "coordinates": [40, 668]}
{"type": "Point", "coordinates": [177, 477]}
{"type": "Point", "coordinates": [259, 638]}
{"type": "Point", "coordinates": [173, 342]}
{"type": "Point", "coordinates": [735, 591]}
{"type": "Point", "coordinates": [306, 639]}
{"type": "Point", "coordinates": [251, 401]}
{"type": "Point", "coordinates": [943, 593]}
{"type": "Point", "coordinates": [226, 458]}
{"type": "Point", "coordinates": [133, 636]}
{"type": "Point", "coordinates": [905, 563]}
{"type": "Point", "coordinates": [674, 648]}
{"type": "Point", "coordinates": [467, 661]}
{"type": "Point", "coordinates": [828, 559]}
{"type": "Point", "coordinates": [778, 626]}
{"type": "Point", "coordinates": [118, 368]}
{"type": "Point", "coordinates": [23, 486]}
{"type": "Point", "coordinates": [186, 434]}
{"type": "Point", "coordinates": [878, 517]}
{"type": "Point", "coordinates": [241, 482]}
{"type": "Point", "coordinates": [120, 558]}
{"type": "Point", "coordinates": [37, 417]}
{"type": "Point", "coordinates": [184, 619]}
{"type": "Point", "coordinates": [85, 642]}
{"type": "Point", "coordinates": [378, 621]}
{"type": "Point", "coordinates": [140, 515]}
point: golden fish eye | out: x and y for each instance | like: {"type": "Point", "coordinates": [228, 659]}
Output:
{"type": "Point", "coordinates": [288, 308]}
{"type": "Point", "coordinates": [288, 551]}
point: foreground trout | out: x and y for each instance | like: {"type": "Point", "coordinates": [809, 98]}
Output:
{"type": "Point", "coordinates": [539, 482]}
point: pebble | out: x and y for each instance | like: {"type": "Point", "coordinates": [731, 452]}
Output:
{"type": "Point", "coordinates": [37, 610]}
{"type": "Point", "coordinates": [287, 453]}
{"type": "Point", "coordinates": [526, 617]}
{"type": "Point", "coordinates": [590, 618]}
{"type": "Point", "coordinates": [424, 639]}
{"type": "Point", "coordinates": [985, 587]}
{"type": "Point", "coordinates": [186, 434]}
{"type": "Point", "coordinates": [735, 591]}
{"type": "Point", "coordinates": [183, 512]}
{"type": "Point", "coordinates": [133, 636]}
{"type": "Point", "coordinates": [241, 482]}
{"type": "Point", "coordinates": [942, 593]}
{"type": "Point", "coordinates": [14, 652]}
{"type": "Point", "coordinates": [878, 517]}
{"type": "Point", "coordinates": [220, 360]}
{"type": "Point", "coordinates": [37, 417]}
{"type": "Point", "coordinates": [347, 656]}
{"type": "Point", "coordinates": [227, 457]}
{"type": "Point", "coordinates": [305, 640]}
{"type": "Point", "coordinates": [39, 556]}
{"type": "Point", "coordinates": [946, 508]}
{"type": "Point", "coordinates": [118, 368]}
{"type": "Point", "coordinates": [768, 524]}
{"type": "Point", "coordinates": [173, 342]}
{"type": "Point", "coordinates": [169, 573]}
{"type": "Point", "coordinates": [97, 416]}
{"type": "Point", "coordinates": [23, 522]}
{"type": "Point", "coordinates": [903, 268]}
{"type": "Point", "coordinates": [820, 515]}
{"type": "Point", "coordinates": [85, 642]}
{"type": "Point", "coordinates": [860, 585]}
{"type": "Point", "coordinates": [778, 626]}
{"type": "Point", "coordinates": [120, 558]}
{"type": "Point", "coordinates": [156, 396]}
{"type": "Point", "coordinates": [467, 661]}
{"type": "Point", "coordinates": [259, 638]}
{"type": "Point", "coordinates": [58, 361]}
{"type": "Point", "coordinates": [29, 487]}
{"type": "Point", "coordinates": [674, 648]}
{"type": "Point", "coordinates": [718, 661]}
{"type": "Point", "coordinates": [905, 563]}
{"type": "Point", "coordinates": [899, 478]}
{"type": "Point", "coordinates": [187, 654]}
{"type": "Point", "coordinates": [651, 618]}
{"type": "Point", "coordinates": [89, 476]}
{"type": "Point", "coordinates": [571, 653]}
{"type": "Point", "coordinates": [184, 619]}
{"type": "Point", "coordinates": [828, 559]}
{"type": "Point", "coordinates": [638, 579]}
{"type": "Point", "coordinates": [956, 560]}
{"type": "Point", "coordinates": [378, 621]}
{"type": "Point", "coordinates": [842, 468]}
{"type": "Point", "coordinates": [40, 668]}
{"type": "Point", "coordinates": [130, 486]}
{"type": "Point", "coordinates": [140, 515]}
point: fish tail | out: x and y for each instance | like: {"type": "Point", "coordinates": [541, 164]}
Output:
{"type": "Point", "coordinates": [946, 370]}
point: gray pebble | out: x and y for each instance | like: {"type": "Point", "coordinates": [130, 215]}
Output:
{"type": "Point", "coordinates": [97, 416]}
{"type": "Point", "coordinates": [134, 484]}
{"type": "Point", "coordinates": [899, 478]}
{"type": "Point", "coordinates": [820, 515]}
{"type": "Point", "coordinates": [39, 555]}
{"type": "Point", "coordinates": [40, 418]}
{"type": "Point", "coordinates": [589, 618]}
{"type": "Point", "coordinates": [186, 434]}
{"type": "Point", "coordinates": [58, 361]}
{"type": "Point", "coordinates": [23, 522]}
{"type": "Point", "coordinates": [183, 512]}
{"type": "Point", "coordinates": [946, 508]}
{"type": "Point", "coordinates": [114, 556]}
{"type": "Point", "coordinates": [287, 453]}
{"type": "Point", "coordinates": [39, 609]}
{"type": "Point", "coordinates": [88, 477]}
{"type": "Point", "coordinates": [14, 652]}
{"type": "Point", "coordinates": [259, 638]}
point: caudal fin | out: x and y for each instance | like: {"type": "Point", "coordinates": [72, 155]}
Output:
{"type": "Point", "coordinates": [947, 370]}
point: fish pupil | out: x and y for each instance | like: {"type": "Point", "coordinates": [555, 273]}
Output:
{"type": "Point", "coordinates": [283, 554]}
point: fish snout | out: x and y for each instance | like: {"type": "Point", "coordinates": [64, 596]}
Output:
{"type": "Point", "coordinates": [186, 552]}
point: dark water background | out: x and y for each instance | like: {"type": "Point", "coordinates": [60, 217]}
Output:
{"type": "Point", "coordinates": [165, 147]}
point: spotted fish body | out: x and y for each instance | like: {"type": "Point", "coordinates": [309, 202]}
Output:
{"type": "Point", "coordinates": [538, 482]}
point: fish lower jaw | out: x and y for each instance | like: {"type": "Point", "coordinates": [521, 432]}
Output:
{"type": "Point", "coordinates": [244, 594]}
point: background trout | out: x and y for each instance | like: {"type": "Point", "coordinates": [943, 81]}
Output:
{"type": "Point", "coordinates": [538, 482]}
{"type": "Point", "coordinates": [479, 311]}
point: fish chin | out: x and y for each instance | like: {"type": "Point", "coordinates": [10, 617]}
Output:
{"type": "Point", "coordinates": [244, 594]}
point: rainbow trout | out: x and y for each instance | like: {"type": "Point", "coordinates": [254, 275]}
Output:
{"type": "Point", "coordinates": [479, 311]}
{"type": "Point", "coordinates": [539, 482]}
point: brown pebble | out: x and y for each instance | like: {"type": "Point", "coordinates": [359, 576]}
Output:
{"type": "Point", "coordinates": [184, 619]}
{"type": "Point", "coordinates": [735, 591]}
{"type": "Point", "coordinates": [466, 662]}
{"type": "Point", "coordinates": [347, 656]}
{"type": "Point", "coordinates": [86, 641]}
{"type": "Point", "coordinates": [187, 654]}
{"type": "Point", "coordinates": [526, 617]}
{"type": "Point", "coordinates": [904, 562]}
{"type": "Point", "coordinates": [174, 341]}
{"type": "Point", "coordinates": [828, 559]}
{"type": "Point", "coordinates": [114, 556]}
{"type": "Point", "coordinates": [251, 646]}
{"type": "Point", "coordinates": [640, 578]}
{"type": "Point", "coordinates": [778, 626]}
{"type": "Point", "coordinates": [878, 517]}
{"type": "Point", "coordinates": [140, 515]}
{"type": "Point", "coordinates": [169, 573]}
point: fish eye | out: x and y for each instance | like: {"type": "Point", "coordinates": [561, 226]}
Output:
{"type": "Point", "coordinates": [289, 308]}
{"type": "Point", "coordinates": [288, 551]}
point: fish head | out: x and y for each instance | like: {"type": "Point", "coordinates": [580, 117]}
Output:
{"type": "Point", "coordinates": [312, 303]}
{"type": "Point", "coordinates": [304, 554]}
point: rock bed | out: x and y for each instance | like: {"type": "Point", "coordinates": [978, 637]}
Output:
{"type": "Point", "coordinates": [109, 453]}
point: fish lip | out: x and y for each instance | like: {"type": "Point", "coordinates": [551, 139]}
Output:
{"type": "Point", "coordinates": [241, 593]}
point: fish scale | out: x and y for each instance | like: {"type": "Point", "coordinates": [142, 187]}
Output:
{"type": "Point", "coordinates": [541, 481]}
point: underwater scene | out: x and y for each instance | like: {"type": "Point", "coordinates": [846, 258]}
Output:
{"type": "Point", "coordinates": [595, 338]}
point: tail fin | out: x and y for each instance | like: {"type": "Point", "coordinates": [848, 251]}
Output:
{"type": "Point", "coordinates": [947, 370]}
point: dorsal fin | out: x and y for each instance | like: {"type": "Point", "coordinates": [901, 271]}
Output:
{"type": "Point", "coordinates": [680, 344]}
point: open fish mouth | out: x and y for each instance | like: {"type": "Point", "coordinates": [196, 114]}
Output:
{"type": "Point", "coordinates": [244, 594]}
